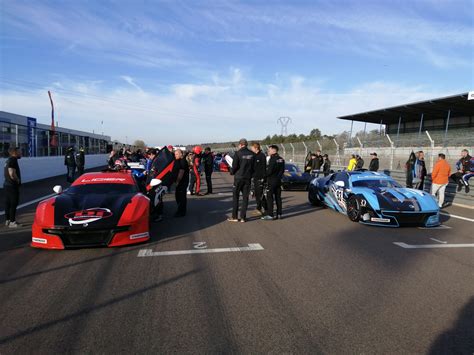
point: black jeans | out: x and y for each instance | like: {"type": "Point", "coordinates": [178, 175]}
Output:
{"type": "Point", "coordinates": [209, 181]}
{"type": "Point", "coordinates": [80, 170]}
{"type": "Point", "coordinates": [274, 191]}
{"type": "Point", "coordinates": [240, 186]}
{"type": "Point", "coordinates": [12, 196]}
{"type": "Point", "coordinates": [457, 178]}
{"type": "Point", "coordinates": [71, 171]}
{"type": "Point", "coordinates": [258, 187]}
{"type": "Point", "coordinates": [181, 200]}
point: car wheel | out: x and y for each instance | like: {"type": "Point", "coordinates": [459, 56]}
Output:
{"type": "Point", "coordinates": [354, 210]}
{"type": "Point", "coordinates": [313, 200]}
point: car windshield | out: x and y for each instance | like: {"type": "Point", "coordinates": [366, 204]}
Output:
{"type": "Point", "coordinates": [102, 189]}
{"type": "Point", "coordinates": [290, 168]}
{"type": "Point", "coordinates": [374, 183]}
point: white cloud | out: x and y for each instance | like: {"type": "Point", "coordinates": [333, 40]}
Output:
{"type": "Point", "coordinates": [220, 109]}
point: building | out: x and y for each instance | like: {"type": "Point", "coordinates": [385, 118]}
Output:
{"type": "Point", "coordinates": [34, 138]}
{"type": "Point", "coordinates": [445, 119]}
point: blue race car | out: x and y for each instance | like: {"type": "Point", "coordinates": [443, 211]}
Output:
{"type": "Point", "coordinates": [374, 198]}
{"type": "Point", "coordinates": [294, 178]}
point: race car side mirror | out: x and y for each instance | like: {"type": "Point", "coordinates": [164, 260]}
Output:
{"type": "Point", "coordinates": [155, 182]}
{"type": "Point", "coordinates": [58, 189]}
{"type": "Point", "coordinates": [340, 183]}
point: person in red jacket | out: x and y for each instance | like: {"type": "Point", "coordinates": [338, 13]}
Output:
{"type": "Point", "coordinates": [195, 173]}
{"type": "Point", "coordinates": [440, 178]}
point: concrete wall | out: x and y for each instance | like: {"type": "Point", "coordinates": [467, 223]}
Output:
{"type": "Point", "coordinates": [44, 167]}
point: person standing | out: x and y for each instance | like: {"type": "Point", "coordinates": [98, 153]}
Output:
{"type": "Point", "coordinates": [242, 169]}
{"type": "Point", "coordinates": [260, 169]}
{"type": "Point", "coordinates": [11, 185]}
{"type": "Point", "coordinates": [181, 178]}
{"type": "Point", "coordinates": [463, 167]}
{"type": "Point", "coordinates": [326, 165]}
{"type": "Point", "coordinates": [352, 163]}
{"type": "Point", "coordinates": [374, 162]}
{"type": "Point", "coordinates": [196, 171]}
{"type": "Point", "coordinates": [275, 171]}
{"type": "Point", "coordinates": [359, 162]}
{"type": "Point", "coordinates": [80, 161]}
{"type": "Point", "coordinates": [440, 178]}
{"type": "Point", "coordinates": [207, 162]}
{"type": "Point", "coordinates": [409, 165]}
{"type": "Point", "coordinates": [419, 171]}
{"type": "Point", "coordinates": [70, 162]}
{"type": "Point", "coordinates": [316, 162]}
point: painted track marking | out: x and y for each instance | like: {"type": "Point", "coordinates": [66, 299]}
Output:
{"type": "Point", "coordinates": [30, 202]}
{"type": "Point", "coordinates": [458, 217]}
{"type": "Point", "coordinates": [437, 240]}
{"type": "Point", "coordinates": [149, 252]}
{"type": "Point", "coordinates": [432, 246]}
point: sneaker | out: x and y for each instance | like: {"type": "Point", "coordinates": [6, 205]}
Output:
{"type": "Point", "coordinates": [7, 223]}
{"type": "Point", "coordinates": [243, 220]}
{"type": "Point", "coordinates": [267, 218]}
{"type": "Point", "coordinates": [459, 188]}
{"type": "Point", "coordinates": [14, 225]}
{"type": "Point", "coordinates": [232, 219]}
{"type": "Point", "coordinates": [279, 216]}
{"type": "Point", "coordinates": [188, 193]}
{"type": "Point", "coordinates": [258, 212]}
{"type": "Point", "coordinates": [467, 189]}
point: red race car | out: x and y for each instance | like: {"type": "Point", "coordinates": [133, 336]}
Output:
{"type": "Point", "coordinates": [99, 209]}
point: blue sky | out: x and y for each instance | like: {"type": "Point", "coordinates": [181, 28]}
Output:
{"type": "Point", "coordinates": [203, 71]}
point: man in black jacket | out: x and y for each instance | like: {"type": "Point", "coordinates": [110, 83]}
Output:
{"type": "Point", "coordinates": [207, 161]}
{"type": "Point", "coordinates": [70, 162]}
{"type": "Point", "coordinates": [242, 169]}
{"type": "Point", "coordinates": [275, 171]}
{"type": "Point", "coordinates": [80, 161]}
{"type": "Point", "coordinates": [374, 162]}
{"type": "Point", "coordinates": [360, 162]}
{"type": "Point", "coordinates": [11, 186]}
{"type": "Point", "coordinates": [259, 175]}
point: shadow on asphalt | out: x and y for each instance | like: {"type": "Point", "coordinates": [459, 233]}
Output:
{"type": "Point", "coordinates": [460, 338]}
{"type": "Point", "coordinates": [94, 308]}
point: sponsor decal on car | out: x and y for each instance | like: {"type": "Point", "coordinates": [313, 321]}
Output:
{"type": "Point", "coordinates": [383, 220]}
{"type": "Point", "coordinates": [139, 235]}
{"type": "Point", "coordinates": [39, 240]}
{"type": "Point", "coordinates": [87, 216]}
{"type": "Point", "coordinates": [103, 180]}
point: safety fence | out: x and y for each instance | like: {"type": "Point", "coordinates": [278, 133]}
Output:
{"type": "Point", "coordinates": [392, 153]}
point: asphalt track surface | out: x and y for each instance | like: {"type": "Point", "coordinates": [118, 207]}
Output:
{"type": "Point", "coordinates": [322, 284]}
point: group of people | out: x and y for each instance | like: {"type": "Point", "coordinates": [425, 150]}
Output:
{"type": "Point", "coordinates": [74, 161]}
{"type": "Point", "coordinates": [356, 162]}
{"type": "Point", "coordinates": [318, 163]}
{"type": "Point", "coordinates": [253, 167]}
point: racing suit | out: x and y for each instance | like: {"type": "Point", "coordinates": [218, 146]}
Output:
{"type": "Point", "coordinates": [259, 179]}
{"type": "Point", "coordinates": [242, 169]}
{"type": "Point", "coordinates": [195, 174]}
{"type": "Point", "coordinates": [70, 162]}
{"type": "Point", "coordinates": [275, 171]}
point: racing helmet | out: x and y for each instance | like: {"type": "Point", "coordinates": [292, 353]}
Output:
{"type": "Point", "coordinates": [197, 149]}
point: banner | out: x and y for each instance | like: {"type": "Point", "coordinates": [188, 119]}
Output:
{"type": "Point", "coordinates": [31, 131]}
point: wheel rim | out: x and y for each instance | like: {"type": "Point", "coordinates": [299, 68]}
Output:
{"type": "Point", "coordinates": [353, 209]}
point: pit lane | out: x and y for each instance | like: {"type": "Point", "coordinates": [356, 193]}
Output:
{"type": "Point", "coordinates": [321, 284]}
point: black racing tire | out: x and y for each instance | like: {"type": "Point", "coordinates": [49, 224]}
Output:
{"type": "Point", "coordinates": [313, 200]}
{"type": "Point", "coordinates": [354, 209]}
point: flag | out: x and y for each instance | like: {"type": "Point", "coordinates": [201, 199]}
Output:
{"type": "Point", "coordinates": [53, 137]}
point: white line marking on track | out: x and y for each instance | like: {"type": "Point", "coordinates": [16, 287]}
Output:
{"type": "Point", "coordinates": [458, 217]}
{"type": "Point", "coordinates": [439, 241]}
{"type": "Point", "coordinates": [199, 245]}
{"type": "Point", "coordinates": [30, 203]}
{"type": "Point", "coordinates": [432, 246]}
{"type": "Point", "coordinates": [149, 252]}
{"type": "Point", "coordinates": [439, 227]}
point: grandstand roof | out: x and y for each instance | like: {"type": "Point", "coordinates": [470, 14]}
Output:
{"type": "Point", "coordinates": [436, 108]}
